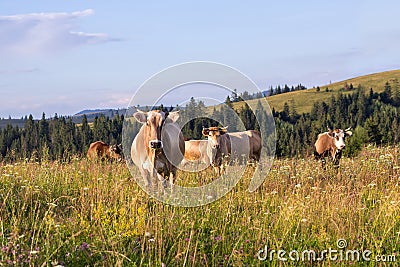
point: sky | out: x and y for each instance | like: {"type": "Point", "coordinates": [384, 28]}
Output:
{"type": "Point", "coordinates": [65, 56]}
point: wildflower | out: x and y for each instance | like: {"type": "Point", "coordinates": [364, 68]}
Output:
{"type": "Point", "coordinates": [218, 238]}
{"type": "Point", "coordinates": [304, 220]}
{"type": "Point", "coordinates": [84, 246]}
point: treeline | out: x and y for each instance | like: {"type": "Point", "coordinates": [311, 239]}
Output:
{"type": "Point", "coordinates": [373, 116]}
{"type": "Point", "coordinates": [58, 138]}
{"type": "Point", "coordinates": [245, 95]}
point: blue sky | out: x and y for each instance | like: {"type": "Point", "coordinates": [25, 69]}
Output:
{"type": "Point", "coordinates": [65, 56]}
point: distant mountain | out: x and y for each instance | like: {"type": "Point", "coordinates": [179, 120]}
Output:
{"type": "Point", "coordinates": [14, 122]}
{"type": "Point", "coordinates": [93, 113]}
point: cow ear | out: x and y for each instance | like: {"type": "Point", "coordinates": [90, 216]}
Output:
{"type": "Point", "coordinates": [331, 133]}
{"type": "Point", "coordinates": [205, 131]}
{"type": "Point", "coordinates": [140, 117]}
{"type": "Point", "coordinates": [173, 116]}
{"type": "Point", "coordinates": [223, 130]}
{"type": "Point", "coordinates": [348, 133]}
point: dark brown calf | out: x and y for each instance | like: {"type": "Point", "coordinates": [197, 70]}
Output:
{"type": "Point", "coordinates": [101, 150]}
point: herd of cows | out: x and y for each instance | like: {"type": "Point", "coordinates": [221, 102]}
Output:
{"type": "Point", "coordinates": [159, 147]}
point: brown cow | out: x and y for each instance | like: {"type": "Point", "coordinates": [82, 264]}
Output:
{"type": "Point", "coordinates": [100, 150]}
{"type": "Point", "coordinates": [159, 146]}
{"type": "Point", "coordinates": [331, 144]}
{"type": "Point", "coordinates": [241, 145]}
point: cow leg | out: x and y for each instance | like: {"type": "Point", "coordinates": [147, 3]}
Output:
{"type": "Point", "coordinates": [172, 177]}
{"type": "Point", "coordinates": [217, 170]}
{"type": "Point", "coordinates": [336, 158]}
{"type": "Point", "coordinates": [147, 180]}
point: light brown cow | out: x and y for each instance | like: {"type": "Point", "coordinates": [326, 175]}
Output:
{"type": "Point", "coordinates": [331, 144]}
{"type": "Point", "coordinates": [101, 150]}
{"type": "Point", "coordinates": [159, 146]}
{"type": "Point", "coordinates": [196, 151]}
{"type": "Point", "coordinates": [223, 146]}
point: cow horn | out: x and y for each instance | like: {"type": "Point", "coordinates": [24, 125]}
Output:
{"type": "Point", "coordinates": [138, 110]}
{"type": "Point", "coordinates": [348, 129]}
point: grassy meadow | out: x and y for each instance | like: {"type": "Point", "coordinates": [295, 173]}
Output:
{"type": "Point", "coordinates": [86, 214]}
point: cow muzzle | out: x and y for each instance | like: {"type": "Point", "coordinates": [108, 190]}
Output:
{"type": "Point", "coordinates": [155, 144]}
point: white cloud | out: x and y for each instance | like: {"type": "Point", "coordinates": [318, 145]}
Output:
{"type": "Point", "coordinates": [41, 33]}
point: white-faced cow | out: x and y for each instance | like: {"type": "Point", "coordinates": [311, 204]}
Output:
{"type": "Point", "coordinates": [158, 147]}
{"type": "Point", "coordinates": [196, 151]}
{"type": "Point", "coordinates": [222, 146]}
{"type": "Point", "coordinates": [103, 151]}
{"type": "Point", "coordinates": [330, 144]}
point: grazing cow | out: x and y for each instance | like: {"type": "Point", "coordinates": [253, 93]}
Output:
{"type": "Point", "coordinates": [221, 145]}
{"type": "Point", "coordinates": [100, 150]}
{"type": "Point", "coordinates": [331, 144]}
{"type": "Point", "coordinates": [196, 151]}
{"type": "Point", "coordinates": [159, 146]}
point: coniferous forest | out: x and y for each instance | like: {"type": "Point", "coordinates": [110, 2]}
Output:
{"type": "Point", "coordinates": [374, 118]}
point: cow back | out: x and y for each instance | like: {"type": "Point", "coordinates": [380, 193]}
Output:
{"type": "Point", "coordinates": [98, 149]}
{"type": "Point", "coordinates": [324, 143]}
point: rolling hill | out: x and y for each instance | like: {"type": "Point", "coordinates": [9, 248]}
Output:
{"type": "Point", "coordinates": [304, 99]}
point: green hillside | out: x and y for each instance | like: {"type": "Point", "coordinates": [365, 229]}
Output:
{"type": "Point", "coordinates": [304, 100]}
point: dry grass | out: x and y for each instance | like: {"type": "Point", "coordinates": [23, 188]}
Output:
{"type": "Point", "coordinates": [85, 214]}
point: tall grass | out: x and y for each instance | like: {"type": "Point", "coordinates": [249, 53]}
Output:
{"type": "Point", "coordinates": [87, 214]}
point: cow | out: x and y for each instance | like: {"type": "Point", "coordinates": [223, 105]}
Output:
{"type": "Point", "coordinates": [158, 148]}
{"type": "Point", "coordinates": [103, 151]}
{"type": "Point", "coordinates": [196, 151]}
{"type": "Point", "coordinates": [221, 145]}
{"type": "Point", "coordinates": [330, 144]}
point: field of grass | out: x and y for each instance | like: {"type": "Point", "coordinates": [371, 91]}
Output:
{"type": "Point", "coordinates": [304, 100]}
{"type": "Point", "coordinates": [86, 214]}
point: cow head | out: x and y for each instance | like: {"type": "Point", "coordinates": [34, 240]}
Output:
{"type": "Point", "coordinates": [116, 152]}
{"type": "Point", "coordinates": [214, 134]}
{"type": "Point", "coordinates": [154, 121]}
{"type": "Point", "coordinates": [339, 136]}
